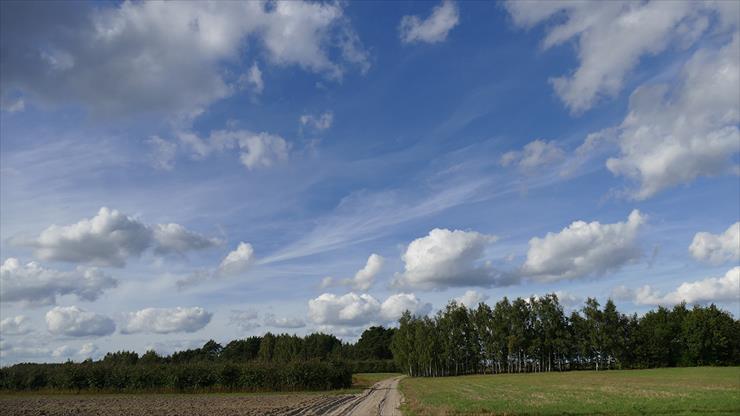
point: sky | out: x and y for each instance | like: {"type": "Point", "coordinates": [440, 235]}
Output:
{"type": "Point", "coordinates": [183, 171]}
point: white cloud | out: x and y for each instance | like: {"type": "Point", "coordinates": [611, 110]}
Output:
{"type": "Point", "coordinates": [674, 134]}
{"type": "Point", "coordinates": [567, 299]}
{"type": "Point", "coordinates": [434, 28]}
{"type": "Point", "coordinates": [350, 309]}
{"type": "Point", "coordinates": [534, 154]}
{"type": "Point", "coordinates": [38, 285]}
{"type": "Point", "coordinates": [283, 322]}
{"type": "Point", "coordinates": [712, 289]}
{"type": "Point", "coordinates": [245, 320]}
{"type": "Point", "coordinates": [715, 248]}
{"type": "Point", "coordinates": [107, 239]}
{"type": "Point", "coordinates": [72, 321]}
{"type": "Point", "coordinates": [447, 258]}
{"type": "Point", "coordinates": [354, 309]}
{"type": "Point", "coordinates": [15, 325]}
{"type": "Point", "coordinates": [65, 351]}
{"type": "Point", "coordinates": [392, 308]}
{"type": "Point", "coordinates": [612, 37]}
{"type": "Point", "coordinates": [257, 150]}
{"type": "Point", "coordinates": [238, 260]}
{"type": "Point", "coordinates": [320, 122]}
{"type": "Point", "coordinates": [111, 237]}
{"type": "Point", "coordinates": [263, 150]}
{"type": "Point", "coordinates": [166, 56]}
{"type": "Point", "coordinates": [163, 153]}
{"type": "Point", "coordinates": [166, 320]}
{"type": "Point", "coordinates": [471, 298]}
{"type": "Point", "coordinates": [174, 238]}
{"type": "Point", "coordinates": [584, 249]}
{"type": "Point", "coordinates": [364, 277]}
{"type": "Point", "coordinates": [252, 79]}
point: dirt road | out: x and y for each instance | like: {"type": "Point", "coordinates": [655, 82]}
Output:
{"type": "Point", "coordinates": [382, 399]}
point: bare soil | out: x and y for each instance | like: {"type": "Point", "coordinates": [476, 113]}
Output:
{"type": "Point", "coordinates": [381, 399]}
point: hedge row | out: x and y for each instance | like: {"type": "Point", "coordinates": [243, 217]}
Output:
{"type": "Point", "coordinates": [99, 376]}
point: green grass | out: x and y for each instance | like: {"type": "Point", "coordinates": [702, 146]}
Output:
{"type": "Point", "coordinates": [674, 391]}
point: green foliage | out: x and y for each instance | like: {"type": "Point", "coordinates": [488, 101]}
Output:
{"type": "Point", "coordinates": [272, 362]}
{"type": "Point", "coordinates": [535, 335]}
{"type": "Point", "coordinates": [195, 376]}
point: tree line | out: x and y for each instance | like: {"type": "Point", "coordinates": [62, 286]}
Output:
{"type": "Point", "coordinates": [536, 335]}
{"type": "Point", "coordinates": [259, 363]}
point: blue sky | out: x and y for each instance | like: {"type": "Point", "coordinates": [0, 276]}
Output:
{"type": "Point", "coordinates": [174, 172]}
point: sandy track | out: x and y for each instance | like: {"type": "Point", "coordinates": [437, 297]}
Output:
{"type": "Point", "coordinates": [382, 399]}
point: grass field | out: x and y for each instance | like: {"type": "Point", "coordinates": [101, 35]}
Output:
{"type": "Point", "coordinates": [675, 391]}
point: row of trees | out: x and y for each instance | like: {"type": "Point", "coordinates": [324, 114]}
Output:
{"type": "Point", "coordinates": [196, 376]}
{"type": "Point", "coordinates": [535, 334]}
{"type": "Point", "coordinates": [268, 363]}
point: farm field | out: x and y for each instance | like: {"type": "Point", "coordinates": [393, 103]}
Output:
{"type": "Point", "coordinates": [354, 401]}
{"type": "Point", "coordinates": [675, 391]}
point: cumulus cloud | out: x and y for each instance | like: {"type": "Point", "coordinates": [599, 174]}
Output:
{"type": "Point", "coordinates": [65, 351]}
{"type": "Point", "coordinates": [35, 284]}
{"type": "Point", "coordinates": [166, 57]}
{"type": "Point", "coordinates": [174, 238]}
{"type": "Point", "coordinates": [111, 237]}
{"type": "Point", "coordinates": [235, 263]}
{"type": "Point", "coordinates": [320, 122]}
{"type": "Point", "coordinates": [534, 155]}
{"type": "Point", "coordinates": [166, 320]}
{"type": "Point", "coordinates": [392, 308]}
{"type": "Point", "coordinates": [612, 37]}
{"type": "Point", "coordinates": [584, 249]}
{"type": "Point", "coordinates": [256, 150]}
{"type": "Point", "coordinates": [471, 298]}
{"type": "Point", "coordinates": [245, 320]}
{"type": "Point", "coordinates": [15, 325]}
{"type": "Point", "coordinates": [238, 260]}
{"type": "Point", "coordinates": [447, 258]}
{"type": "Point", "coordinates": [350, 309]}
{"type": "Point", "coordinates": [283, 322]}
{"type": "Point", "coordinates": [715, 248]}
{"type": "Point", "coordinates": [434, 28]}
{"type": "Point", "coordinates": [72, 321]}
{"type": "Point", "coordinates": [354, 309]}
{"type": "Point", "coordinates": [364, 277]}
{"type": "Point", "coordinates": [711, 289]}
{"type": "Point", "coordinates": [107, 239]}
{"type": "Point", "coordinates": [675, 134]}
